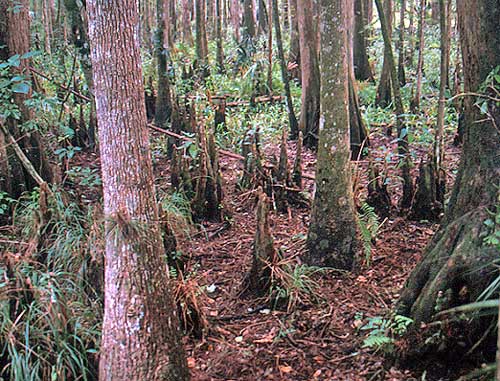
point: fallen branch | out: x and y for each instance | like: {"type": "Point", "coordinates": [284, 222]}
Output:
{"type": "Point", "coordinates": [22, 157]}
{"type": "Point", "coordinates": [64, 87]}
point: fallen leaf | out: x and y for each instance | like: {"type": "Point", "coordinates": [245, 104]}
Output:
{"type": "Point", "coordinates": [285, 368]}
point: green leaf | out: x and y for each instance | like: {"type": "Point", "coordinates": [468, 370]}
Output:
{"type": "Point", "coordinates": [21, 88]}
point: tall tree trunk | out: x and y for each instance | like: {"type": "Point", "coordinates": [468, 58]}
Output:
{"type": "Point", "coordinates": [235, 19]}
{"type": "Point", "coordinates": [218, 33]}
{"type": "Point", "coordinates": [384, 95]}
{"type": "Point", "coordinates": [358, 130]}
{"type": "Point", "coordinates": [435, 11]}
{"type": "Point", "coordinates": [333, 238]}
{"type": "Point", "coordinates": [458, 258]}
{"type": "Point", "coordinates": [248, 20]}
{"type": "Point", "coordinates": [292, 119]}
{"type": "Point", "coordinates": [79, 37]}
{"type": "Point", "coordinates": [401, 45]}
{"type": "Point", "coordinates": [309, 111]}
{"type": "Point", "coordinates": [294, 54]}
{"type": "Point", "coordinates": [262, 18]}
{"type": "Point", "coordinates": [445, 56]}
{"type": "Point", "coordinates": [163, 107]}
{"type": "Point", "coordinates": [15, 39]}
{"type": "Point", "coordinates": [362, 67]}
{"type": "Point", "coordinates": [140, 338]}
{"type": "Point", "coordinates": [403, 148]}
{"type": "Point", "coordinates": [270, 48]}
{"type": "Point", "coordinates": [411, 32]}
{"type": "Point", "coordinates": [187, 35]}
{"type": "Point", "coordinates": [415, 103]}
{"type": "Point", "coordinates": [201, 38]}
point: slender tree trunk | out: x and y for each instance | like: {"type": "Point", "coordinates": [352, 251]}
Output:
{"type": "Point", "coordinates": [294, 55]}
{"type": "Point", "coordinates": [270, 48]}
{"type": "Point", "coordinates": [332, 238]}
{"type": "Point", "coordinates": [415, 103]}
{"type": "Point", "coordinates": [362, 67]}
{"type": "Point", "coordinates": [292, 119]}
{"type": "Point", "coordinates": [411, 32]}
{"type": "Point", "coordinates": [403, 148]}
{"type": "Point", "coordinates": [262, 18]}
{"type": "Point", "coordinates": [401, 45]}
{"type": "Point", "coordinates": [218, 32]}
{"type": "Point", "coordinates": [445, 56]}
{"type": "Point", "coordinates": [140, 338]}
{"type": "Point", "coordinates": [309, 111]}
{"type": "Point", "coordinates": [79, 36]}
{"type": "Point", "coordinates": [384, 96]}
{"type": "Point", "coordinates": [358, 130]}
{"type": "Point", "coordinates": [163, 107]}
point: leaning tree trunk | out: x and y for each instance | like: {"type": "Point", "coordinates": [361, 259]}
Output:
{"type": "Point", "coordinates": [332, 239]}
{"type": "Point", "coordinates": [309, 111]}
{"type": "Point", "coordinates": [458, 264]}
{"type": "Point", "coordinates": [15, 39]}
{"type": "Point", "coordinates": [140, 337]}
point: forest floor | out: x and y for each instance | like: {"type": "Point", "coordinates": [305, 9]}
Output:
{"type": "Point", "coordinates": [318, 337]}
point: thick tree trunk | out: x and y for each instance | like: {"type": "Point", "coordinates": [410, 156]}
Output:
{"type": "Point", "coordinates": [292, 119]}
{"type": "Point", "coordinates": [15, 39]}
{"type": "Point", "coordinates": [384, 95]}
{"type": "Point", "coordinates": [187, 35]}
{"type": "Point", "coordinates": [140, 338]}
{"type": "Point", "coordinates": [201, 38]}
{"type": "Point", "coordinates": [248, 20]}
{"type": "Point", "coordinates": [362, 67]}
{"type": "Point", "coordinates": [457, 265]}
{"type": "Point", "coordinates": [309, 111]}
{"type": "Point", "coordinates": [235, 19]}
{"type": "Point", "coordinates": [332, 238]}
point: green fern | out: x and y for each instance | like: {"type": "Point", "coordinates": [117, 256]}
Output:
{"type": "Point", "coordinates": [369, 226]}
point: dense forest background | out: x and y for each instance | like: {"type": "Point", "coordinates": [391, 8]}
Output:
{"type": "Point", "coordinates": [249, 189]}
